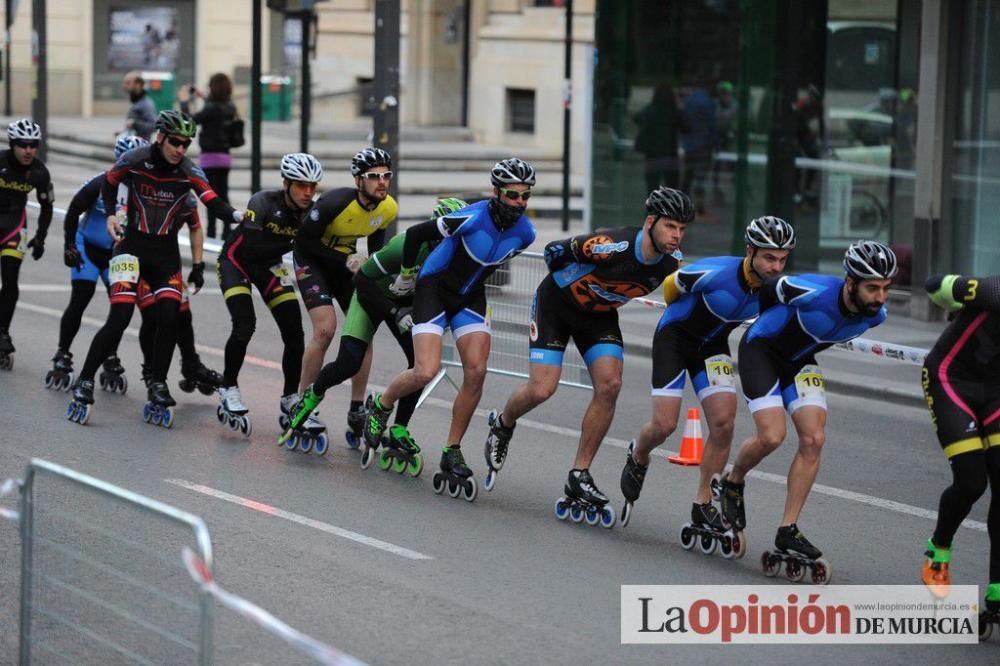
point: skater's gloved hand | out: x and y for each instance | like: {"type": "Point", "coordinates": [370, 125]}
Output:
{"type": "Point", "coordinates": [115, 228]}
{"type": "Point", "coordinates": [71, 256]}
{"type": "Point", "coordinates": [238, 215]}
{"type": "Point", "coordinates": [404, 282]}
{"type": "Point", "coordinates": [197, 276]}
{"type": "Point", "coordinates": [940, 290]}
{"type": "Point", "coordinates": [404, 319]}
{"type": "Point", "coordinates": [354, 262]}
{"type": "Point", "coordinates": [37, 247]}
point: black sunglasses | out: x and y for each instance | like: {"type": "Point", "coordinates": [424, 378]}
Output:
{"type": "Point", "coordinates": [26, 144]}
{"type": "Point", "coordinates": [375, 175]}
{"type": "Point", "coordinates": [514, 195]}
{"type": "Point", "coordinates": [178, 143]}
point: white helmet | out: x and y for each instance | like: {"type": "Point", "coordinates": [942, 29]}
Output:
{"type": "Point", "coordinates": [870, 260]}
{"type": "Point", "coordinates": [301, 167]}
{"type": "Point", "coordinates": [770, 232]}
{"type": "Point", "coordinates": [512, 170]}
{"type": "Point", "coordinates": [24, 129]}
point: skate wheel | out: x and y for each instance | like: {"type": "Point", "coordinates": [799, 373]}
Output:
{"type": "Point", "coordinates": [470, 489]}
{"type": "Point", "coordinates": [185, 385]}
{"type": "Point", "coordinates": [102, 379]}
{"type": "Point", "coordinates": [234, 422]}
{"type": "Point", "coordinates": [123, 384]}
{"type": "Point", "coordinates": [562, 509]}
{"type": "Point", "coordinates": [398, 465]}
{"type": "Point", "coordinates": [367, 456]}
{"type": "Point", "coordinates": [322, 444]}
{"type": "Point", "coordinates": [591, 516]}
{"type": "Point", "coordinates": [706, 544]}
{"type": "Point", "coordinates": [688, 537]}
{"type": "Point", "coordinates": [246, 427]}
{"type": "Point", "coordinates": [726, 546]}
{"type": "Point", "coordinates": [438, 483]}
{"type": "Point", "coordinates": [147, 415]}
{"type": "Point", "coordinates": [305, 443]}
{"type": "Point", "coordinates": [417, 466]}
{"type": "Point", "coordinates": [384, 461]}
{"type": "Point", "coordinates": [353, 441]}
{"type": "Point", "coordinates": [70, 410]}
{"type": "Point", "coordinates": [220, 414]}
{"type": "Point", "coordinates": [822, 572]}
{"type": "Point", "coordinates": [67, 383]}
{"type": "Point", "coordinates": [454, 488]}
{"type": "Point", "coordinates": [794, 571]}
{"type": "Point", "coordinates": [770, 564]}
{"type": "Point", "coordinates": [167, 417]}
{"type": "Point", "coordinates": [283, 422]}
{"type": "Point", "coordinates": [205, 389]}
{"type": "Point", "coordinates": [490, 480]}
{"type": "Point", "coordinates": [607, 518]}
{"type": "Point", "coordinates": [576, 513]}
{"type": "Point", "coordinates": [292, 442]}
{"type": "Point", "coordinates": [739, 543]}
{"type": "Point", "coordinates": [83, 414]}
{"type": "Point", "coordinates": [48, 379]}
{"type": "Point", "coordinates": [626, 513]}
{"type": "Point", "coordinates": [985, 626]}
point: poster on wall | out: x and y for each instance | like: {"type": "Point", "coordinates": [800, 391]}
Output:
{"type": "Point", "coordinates": [143, 38]}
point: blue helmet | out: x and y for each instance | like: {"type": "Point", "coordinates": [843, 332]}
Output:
{"type": "Point", "coordinates": [127, 142]}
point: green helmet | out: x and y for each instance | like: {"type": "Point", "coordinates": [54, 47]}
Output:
{"type": "Point", "coordinates": [176, 123]}
{"type": "Point", "coordinates": [448, 206]}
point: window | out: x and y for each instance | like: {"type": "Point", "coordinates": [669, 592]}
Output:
{"type": "Point", "coordinates": [520, 110]}
{"type": "Point", "coordinates": [366, 96]}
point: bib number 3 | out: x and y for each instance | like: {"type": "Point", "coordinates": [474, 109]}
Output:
{"type": "Point", "coordinates": [124, 268]}
{"type": "Point", "coordinates": [809, 382]}
{"type": "Point", "coordinates": [720, 370]}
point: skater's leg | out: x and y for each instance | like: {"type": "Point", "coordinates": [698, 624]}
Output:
{"type": "Point", "coordinates": [662, 424]}
{"type": "Point", "coordinates": [720, 412]}
{"type": "Point", "coordinates": [10, 270]}
{"type": "Point", "coordinates": [324, 326]}
{"type": "Point", "coordinates": [185, 334]}
{"type": "Point", "coordinates": [166, 336]}
{"type": "Point", "coordinates": [474, 350]}
{"type": "Point", "coordinates": [810, 424]}
{"type": "Point", "coordinates": [543, 380]}
{"type": "Point", "coordinates": [407, 404]}
{"type": "Point", "coordinates": [427, 362]}
{"type": "Point", "coordinates": [770, 433]}
{"type": "Point", "coordinates": [970, 478]}
{"type": "Point", "coordinates": [81, 291]}
{"type": "Point", "coordinates": [993, 517]}
{"type": "Point", "coordinates": [288, 317]}
{"type": "Point", "coordinates": [606, 377]}
{"type": "Point", "coordinates": [107, 338]}
{"type": "Point", "coordinates": [349, 359]}
{"type": "Point", "coordinates": [244, 322]}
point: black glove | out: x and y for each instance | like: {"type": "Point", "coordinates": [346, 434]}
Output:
{"type": "Point", "coordinates": [72, 257]}
{"type": "Point", "coordinates": [197, 275]}
{"type": "Point", "coordinates": [37, 247]}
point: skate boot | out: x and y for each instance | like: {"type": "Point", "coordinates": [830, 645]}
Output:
{"type": "Point", "coordinates": [400, 453]}
{"type": "Point", "coordinates": [378, 419]}
{"type": "Point", "coordinates": [936, 573]}
{"type": "Point", "coordinates": [60, 377]}
{"type": "Point", "coordinates": [708, 531]}
{"type": "Point", "coordinates": [792, 548]}
{"type": "Point", "coordinates": [991, 615]}
{"type": "Point", "coordinates": [633, 476]}
{"type": "Point", "coordinates": [302, 430]}
{"type": "Point", "coordinates": [496, 447]}
{"type": "Point", "coordinates": [194, 375]}
{"type": "Point", "coordinates": [146, 375]}
{"type": "Point", "coordinates": [455, 475]}
{"type": "Point", "coordinates": [357, 419]}
{"type": "Point", "coordinates": [112, 377]}
{"type": "Point", "coordinates": [584, 500]}
{"type": "Point", "coordinates": [159, 407]}
{"type": "Point", "coordinates": [231, 410]}
{"type": "Point", "coordinates": [6, 351]}
{"type": "Point", "coordinates": [83, 397]}
{"type": "Point", "coordinates": [731, 500]}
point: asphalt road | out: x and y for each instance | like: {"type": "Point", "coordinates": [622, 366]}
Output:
{"type": "Point", "coordinates": [381, 567]}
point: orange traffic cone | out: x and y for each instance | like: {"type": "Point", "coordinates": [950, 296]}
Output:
{"type": "Point", "coordinates": [692, 445]}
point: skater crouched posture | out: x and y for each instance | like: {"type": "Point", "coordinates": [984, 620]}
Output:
{"type": "Point", "coordinates": [961, 380]}
{"type": "Point", "coordinates": [158, 178]}
{"type": "Point", "coordinates": [373, 303]}
{"type": "Point", "coordinates": [590, 277]}
{"type": "Point", "coordinates": [451, 292]}
{"type": "Point", "coordinates": [253, 256]}
{"type": "Point", "coordinates": [800, 316]}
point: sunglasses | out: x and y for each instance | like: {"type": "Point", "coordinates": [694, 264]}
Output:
{"type": "Point", "coordinates": [375, 175]}
{"type": "Point", "coordinates": [26, 144]}
{"type": "Point", "coordinates": [514, 195]}
{"type": "Point", "coordinates": [178, 143]}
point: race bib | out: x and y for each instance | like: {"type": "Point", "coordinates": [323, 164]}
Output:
{"type": "Point", "coordinates": [720, 370]}
{"type": "Point", "coordinates": [809, 382]}
{"type": "Point", "coordinates": [284, 276]}
{"type": "Point", "coordinates": [124, 268]}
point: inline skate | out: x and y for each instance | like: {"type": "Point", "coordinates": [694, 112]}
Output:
{"type": "Point", "coordinates": [497, 442]}
{"type": "Point", "coordinates": [60, 377]}
{"type": "Point", "coordinates": [991, 615]}
{"type": "Point", "coordinates": [83, 397]}
{"type": "Point", "coordinates": [583, 500]}
{"type": "Point", "coordinates": [455, 475]}
{"type": "Point", "coordinates": [400, 453]}
{"type": "Point", "coordinates": [795, 551]}
{"type": "Point", "coordinates": [310, 434]}
{"type": "Point", "coordinates": [633, 476]}
{"type": "Point", "coordinates": [194, 375]}
{"type": "Point", "coordinates": [357, 419]}
{"type": "Point", "coordinates": [731, 501]}
{"type": "Point", "coordinates": [378, 419]}
{"type": "Point", "coordinates": [159, 407]}
{"type": "Point", "coordinates": [936, 572]}
{"type": "Point", "coordinates": [231, 410]}
{"type": "Point", "coordinates": [708, 531]}
{"type": "Point", "coordinates": [6, 351]}
{"type": "Point", "coordinates": [112, 377]}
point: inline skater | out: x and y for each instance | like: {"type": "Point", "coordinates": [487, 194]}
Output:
{"type": "Point", "coordinates": [590, 277]}
{"type": "Point", "coordinates": [253, 255]}
{"type": "Point", "coordinates": [705, 301]}
{"type": "Point", "coordinates": [450, 291]}
{"type": "Point", "coordinates": [373, 303]}
{"type": "Point", "coordinates": [800, 316]}
{"type": "Point", "coordinates": [20, 172]}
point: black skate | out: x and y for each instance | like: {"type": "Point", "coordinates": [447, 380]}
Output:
{"type": "Point", "coordinates": [60, 377]}
{"type": "Point", "coordinates": [83, 397]}
{"type": "Point", "coordinates": [357, 419]}
{"type": "Point", "coordinates": [708, 531]}
{"type": "Point", "coordinates": [112, 377]}
{"type": "Point", "coordinates": [310, 434]}
{"type": "Point", "coordinates": [633, 476]}
{"type": "Point", "coordinates": [159, 407]}
{"type": "Point", "coordinates": [731, 500]}
{"type": "Point", "coordinates": [6, 351]}
{"type": "Point", "coordinates": [400, 453]}
{"type": "Point", "coordinates": [584, 500]}
{"type": "Point", "coordinates": [146, 375]}
{"type": "Point", "coordinates": [798, 554]}
{"type": "Point", "coordinates": [194, 375]}
{"type": "Point", "coordinates": [991, 614]}
{"type": "Point", "coordinates": [377, 420]}
{"type": "Point", "coordinates": [497, 442]}
{"type": "Point", "coordinates": [455, 475]}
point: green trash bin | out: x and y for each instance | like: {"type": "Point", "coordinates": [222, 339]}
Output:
{"type": "Point", "coordinates": [276, 98]}
{"type": "Point", "coordinates": [161, 88]}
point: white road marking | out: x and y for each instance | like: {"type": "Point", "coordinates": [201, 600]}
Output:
{"type": "Point", "coordinates": [301, 520]}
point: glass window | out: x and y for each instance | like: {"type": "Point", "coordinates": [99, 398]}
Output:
{"type": "Point", "coordinates": [520, 110]}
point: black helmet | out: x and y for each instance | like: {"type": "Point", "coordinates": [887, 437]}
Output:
{"type": "Point", "coordinates": [369, 158]}
{"type": "Point", "coordinates": [670, 203]}
{"type": "Point", "coordinates": [770, 232]}
{"type": "Point", "coordinates": [870, 260]}
{"type": "Point", "coordinates": [512, 171]}
{"type": "Point", "coordinates": [176, 123]}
